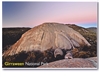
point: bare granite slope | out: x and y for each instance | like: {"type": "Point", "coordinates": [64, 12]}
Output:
{"type": "Point", "coordinates": [46, 36]}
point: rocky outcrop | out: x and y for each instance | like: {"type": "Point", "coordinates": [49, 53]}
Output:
{"type": "Point", "coordinates": [47, 36]}
{"type": "Point", "coordinates": [50, 42]}
{"type": "Point", "coordinates": [73, 63]}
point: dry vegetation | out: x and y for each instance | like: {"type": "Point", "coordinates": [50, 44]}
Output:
{"type": "Point", "coordinates": [91, 37]}
{"type": "Point", "coordinates": [10, 36]}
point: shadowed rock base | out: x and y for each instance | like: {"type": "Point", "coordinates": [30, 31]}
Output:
{"type": "Point", "coordinates": [73, 63]}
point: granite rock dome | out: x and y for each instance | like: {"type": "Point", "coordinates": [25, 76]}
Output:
{"type": "Point", "coordinates": [46, 36]}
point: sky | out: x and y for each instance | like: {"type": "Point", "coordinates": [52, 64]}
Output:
{"type": "Point", "coordinates": [30, 14]}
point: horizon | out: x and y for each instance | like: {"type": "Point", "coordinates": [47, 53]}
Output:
{"type": "Point", "coordinates": [31, 14]}
{"type": "Point", "coordinates": [88, 26]}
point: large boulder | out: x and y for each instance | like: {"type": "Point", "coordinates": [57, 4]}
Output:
{"type": "Point", "coordinates": [47, 36]}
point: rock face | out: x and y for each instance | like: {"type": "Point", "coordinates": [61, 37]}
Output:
{"type": "Point", "coordinates": [46, 36]}
{"type": "Point", "coordinates": [73, 63]}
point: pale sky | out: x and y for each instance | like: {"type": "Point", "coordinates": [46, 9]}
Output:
{"type": "Point", "coordinates": [30, 14]}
